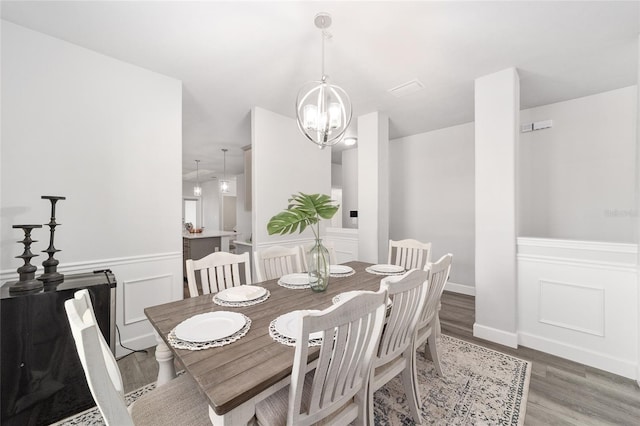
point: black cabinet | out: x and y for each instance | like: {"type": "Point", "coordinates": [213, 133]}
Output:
{"type": "Point", "coordinates": [41, 378]}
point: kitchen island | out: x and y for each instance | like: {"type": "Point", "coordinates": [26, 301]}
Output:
{"type": "Point", "coordinates": [198, 245]}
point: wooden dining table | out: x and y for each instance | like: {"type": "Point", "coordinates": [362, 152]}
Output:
{"type": "Point", "coordinates": [235, 377]}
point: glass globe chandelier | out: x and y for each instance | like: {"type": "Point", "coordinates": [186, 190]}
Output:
{"type": "Point", "coordinates": [197, 190]}
{"type": "Point", "coordinates": [224, 183]}
{"type": "Point", "coordinates": [323, 110]}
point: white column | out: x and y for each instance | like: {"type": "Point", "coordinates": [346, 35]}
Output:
{"type": "Point", "coordinates": [497, 109]}
{"type": "Point", "coordinates": [373, 187]}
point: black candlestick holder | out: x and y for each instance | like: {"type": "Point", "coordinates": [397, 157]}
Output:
{"type": "Point", "coordinates": [51, 274]}
{"type": "Point", "coordinates": [27, 272]}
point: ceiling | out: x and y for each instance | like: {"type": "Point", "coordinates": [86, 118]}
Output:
{"type": "Point", "coordinates": [231, 56]}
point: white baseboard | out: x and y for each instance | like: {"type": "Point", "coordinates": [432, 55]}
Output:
{"type": "Point", "coordinates": [582, 355]}
{"type": "Point", "coordinates": [138, 343]}
{"type": "Point", "coordinates": [469, 290]}
{"type": "Point", "coordinates": [496, 336]}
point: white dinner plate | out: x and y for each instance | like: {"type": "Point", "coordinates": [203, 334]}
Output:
{"type": "Point", "coordinates": [210, 326]}
{"type": "Point", "coordinates": [295, 279]}
{"type": "Point", "coordinates": [387, 269]}
{"type": "Point", "coordinates": [340, 269]}
{"type": "Point", "coordinates": [243, 293]}
{"type": "Point", "coordinates": [289, 324]}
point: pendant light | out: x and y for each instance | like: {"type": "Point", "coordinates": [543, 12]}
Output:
{"type": "Point", "coordinates": [323, 110]}
{"type": "Point", "coordinates": [224, 184]}
{"type": "Point", "coordinates": [197, 190]}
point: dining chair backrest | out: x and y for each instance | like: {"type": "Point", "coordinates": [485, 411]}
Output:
{"type": "Point", "coordinates": [274, 262]}
{"type": "Point", "coordinates": [99, 364]}
{"type": "Point", "coordinates": [408, 294]}
{"type": "Point", "coordinates": [218, 271]}
{"type": "Point", "coordinates": [438, 279]}
{"type": "Point", "coordinates": [333, 257]}
{"type": "Point", "coordinates": [351, 331]}
{"type": "Point", "coordinates": [410, 254]}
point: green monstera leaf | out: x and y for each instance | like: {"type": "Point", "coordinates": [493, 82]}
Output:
{"type": "Point", "coordinates": [303, 210]}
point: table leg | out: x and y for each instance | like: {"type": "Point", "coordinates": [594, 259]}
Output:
{"type": "Point", "coordinates": [242, 415]}
{"type": "Point", "coordinates": [164, 356]}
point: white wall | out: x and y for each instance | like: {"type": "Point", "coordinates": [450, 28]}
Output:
{"type": "Point", "coordinates": [349, 186]}
{"type": "Point", "coordinates": [336, 175]}
{"type": "Point", "coordinates": [283, 163]}
{"type": "Point", "coordinates": [107, 135]}
{"type": "Point", "coordinates": [577, 179]}
{"type": "Point", "coordinates": [432, 195]}
{"type": "Point", "coordinates": [243, 216]}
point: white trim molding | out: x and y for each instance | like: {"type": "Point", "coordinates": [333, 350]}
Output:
{"type": "Point", "coordinates": [494, 335]}
{"type": "Point", "coordinates": [598, 246]}
{"type": "Point", "coordinates": [469, 290]}
{"type": "Point", "coordinates": [603, 361]}
{"type": "Point", "coordinates": [91, 265]}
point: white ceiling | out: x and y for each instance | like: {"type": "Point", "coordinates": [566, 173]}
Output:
{"type": "Point", "coordinates": [231, 56]}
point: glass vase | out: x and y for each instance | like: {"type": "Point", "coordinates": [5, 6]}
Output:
{"type": "Point", "coordinates": [318, 264]}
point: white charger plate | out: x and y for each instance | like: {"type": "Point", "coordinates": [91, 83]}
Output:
{"type": "Point", "coordinates": [243, 293]}
{"type": "Point", "coordinates": [387, 269]}
{"type": "Point", "coordinates": [210, 326]}
{"type": "Point", "coordinates": [297, 279]}
{"type": "Point", "coordinates": [288, 325]}
{"type": "Point", "coordinates": [340, 269]}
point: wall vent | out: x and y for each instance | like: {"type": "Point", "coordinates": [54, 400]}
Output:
{"type": "Point", "coordinates": [407, 88]}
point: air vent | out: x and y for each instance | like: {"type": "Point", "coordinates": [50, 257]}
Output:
{"type": "Point", "coordinates": [407, 88]}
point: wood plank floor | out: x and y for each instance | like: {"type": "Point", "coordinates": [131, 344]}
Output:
{"type": "Point", "coordinates": [561, 392]}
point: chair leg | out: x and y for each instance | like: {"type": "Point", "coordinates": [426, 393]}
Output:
{"type": "Point", "coordinates": [414, 372]}
{"type": "Point", "coordinates": [410, 382]}
{"type": "Point", "coordinates": [362, 399]}
{"type": "Point", "coordinates": [433, 348]}
{"type": "Point", "coordinates": [438, 327]}
{"type": "Point", "coordinates": [369, 416]}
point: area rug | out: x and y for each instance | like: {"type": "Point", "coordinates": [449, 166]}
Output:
{"type": "Point", "coordinates": [480, 387]}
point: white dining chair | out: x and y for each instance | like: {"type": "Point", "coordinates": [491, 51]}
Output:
{"type": "Point", "coordinates": [426, 332]}
{"type": "Point", "coordinates": [410, 254]}
{"type": "Point", "coordinates": [218, 271]}
{"type": "Point", "coordinates": [335, 392]}
{"type": "Point", "coordinates": [274, 262]}
{"type": "Point", "coordinates": [395, 354]}
{"type": "Point", "coordinates": [175, 402]}
{"type": "Point", "coordinates": [333, 257]}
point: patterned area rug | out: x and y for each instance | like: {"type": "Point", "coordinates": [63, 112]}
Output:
{"type": "Point", "coordinates": [481, 387]}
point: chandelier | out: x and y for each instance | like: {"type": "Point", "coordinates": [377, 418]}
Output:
{"type": "Point", "coordinates": [323, 110]}
{"type": "Point", "coordinates": [197, 190]}
{"type": "Point", "coordinates": [224, 184]}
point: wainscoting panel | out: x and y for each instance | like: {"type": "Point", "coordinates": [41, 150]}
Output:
{"type": "Point", "coordinates": [143, 281]}
{"type": "Point", "coordinates": [579, 300]}
{"type": "Point", "coordinates": [345, 241]}
{"type": "Point", "coordinates": [143, 292]}
{"type": "Point", "coordinates": [586, 316]}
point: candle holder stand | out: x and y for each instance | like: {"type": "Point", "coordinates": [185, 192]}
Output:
{"type": "Point", "coordinates": [51, 274]}
{"type": "Point", "coordinates": [27, 272]}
